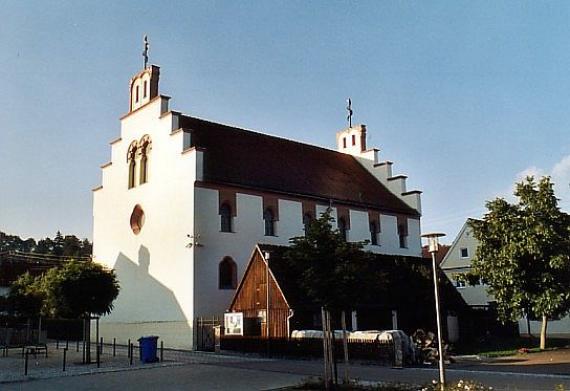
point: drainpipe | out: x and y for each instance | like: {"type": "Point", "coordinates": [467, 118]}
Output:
{"type": "Point", "coordinates": [291, 313]}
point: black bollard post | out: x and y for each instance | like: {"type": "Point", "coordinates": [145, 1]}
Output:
{"type": "Point", "coordinates": [98, 356]}
{"type": "Point", "coordinates": [67, 343]}
{"type": "Point", "coordinates": [114, 346]}
{"type": "Point", "coordinates": [131, 354]}
{"type": "Point", "coordinates": [161, 351]}
{"type": "Point", "coordinates": [64, 358]}
{"type": "Point", "coordinates": [101, 345]}
{"type": "Point", "coordinates": [26, 363]}
{"type": "Point", "coordinates": [129, 349]}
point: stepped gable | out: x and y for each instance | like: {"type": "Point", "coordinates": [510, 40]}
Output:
{"type": "Point", "coordinates": [258, 161]}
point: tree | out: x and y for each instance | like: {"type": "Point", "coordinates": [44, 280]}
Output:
{"type": "Point", "coordinates": [333, 273]}
{"type": "Point", "coordinates": [79, 289]}
{"type": "Point", "coordinates": [26, 297]}
{"type": "Point", "coordinates": [524, 254]}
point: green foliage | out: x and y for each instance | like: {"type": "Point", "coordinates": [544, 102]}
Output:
{"type": "Point", "coordinates": [26, 297]}
{"type": "Point", "coordinates": [333, 272]}
{"type": "Point", "coordinates": [67, 246]}
{"type": "Point", "coordinates": [524, 252]}
{"type": "Point", "coordinates": [74, 290]}
{"type": "Point", "coordinates": [79, 288]}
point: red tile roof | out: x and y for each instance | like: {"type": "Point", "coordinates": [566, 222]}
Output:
{"type": "Point", "coordinates": [249, 159]}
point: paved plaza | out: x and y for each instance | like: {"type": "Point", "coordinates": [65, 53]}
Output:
{"type": "Point", "coordinates": [185, 370]}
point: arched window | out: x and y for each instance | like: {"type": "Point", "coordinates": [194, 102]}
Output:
{"type": "Point", "coordinates": [145, 147]}
{"type": "Point", "coordinates": [137, 94]}
{"type": "Point", "coordinates": [342, 227]}
{"type": "Point", "coordinates": [144, 169]}
{"type": "Point", "coordinates": [269, 219]}
{"type": "Point", "coordinates": [373, 233]}
{"type": "Point", "coordinates": [131, 159]}
{"type": "Point", "coordinates": [227, 276]}
{"type": "Point", "coordinates": [225, 218]}
{"type": "Point", "coordinates": [307, 220]}
{"type": "Point", "coordinates": [145, 89]}
{"type": "Point", "coordinates": [132, 172]}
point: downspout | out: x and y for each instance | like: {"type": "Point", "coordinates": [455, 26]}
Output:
{"type": "Point", "coordinates": [291, 313]}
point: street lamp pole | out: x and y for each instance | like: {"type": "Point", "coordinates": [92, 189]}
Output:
{"type": "Point", "coordinates": [433, 249]}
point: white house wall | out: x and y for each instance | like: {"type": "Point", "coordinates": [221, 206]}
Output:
{"type": "Point", "coordinates": [154, 268]}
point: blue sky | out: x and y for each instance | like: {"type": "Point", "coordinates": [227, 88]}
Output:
{"type": "Point", "coordinates": [464, 97]}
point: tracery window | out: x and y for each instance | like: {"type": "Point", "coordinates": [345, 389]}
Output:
{"type": "Point", "coordinates": [131, 159]}
{"type": "Point", "coordinates": [145, 146]}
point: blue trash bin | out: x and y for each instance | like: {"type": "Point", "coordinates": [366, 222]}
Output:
{"type": "Point", "coordinates": [148, 348]}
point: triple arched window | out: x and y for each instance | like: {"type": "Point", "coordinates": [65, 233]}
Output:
{"type": "Point", "coordinates": [138, 154]}
{"type": "Point", "coordinates": [227, 274]}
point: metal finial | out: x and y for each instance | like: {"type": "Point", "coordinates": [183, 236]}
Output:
{"type": "Point", "coordinates": [349, 109]}
{"type": "Point", "coordinates": [145, 51]}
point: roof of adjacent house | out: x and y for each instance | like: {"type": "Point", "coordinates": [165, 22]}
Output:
{"type": "Point", "coordinates": [402, 276]}
{"type": "Point", "coordinates": [248, 159]}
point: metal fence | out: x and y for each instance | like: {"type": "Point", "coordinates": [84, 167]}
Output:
{"type": "Point", "coordinates": [377, 351]}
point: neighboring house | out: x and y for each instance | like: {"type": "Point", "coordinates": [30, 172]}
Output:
{"type": "Point", "coordinates": [443, 249]}
{"type": "Point", "coordinates": [458, 260]}
{"type": "Point", "coordinates": [398, 300]}
{"type": "Point", "coordinates": [184, 200]}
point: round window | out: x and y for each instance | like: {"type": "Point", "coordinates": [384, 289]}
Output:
{"type": "Point", "coordinates": [137, 219]}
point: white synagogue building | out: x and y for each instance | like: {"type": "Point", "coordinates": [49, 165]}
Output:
{"type": "Point", "coordinates": [183, 202]}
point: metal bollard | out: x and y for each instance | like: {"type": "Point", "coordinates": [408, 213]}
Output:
{"type": "Point", "coordinates": [67, 343]}
{"type": "Point", "coordinates": [26, 363]}
{"type": "Point", "coordinates": [114, 346]}
{"type": "Point", "coordinates": [161, 351]}
{"type": "Point", "coordinates": [131, 354]}
{"type": "Point", "coordinates": [129, 349]}
{"type": "Point", "coordinates": [101, 345]}
{"type": "Point", "coordinates": [64, 358]}
{"type": "Point", "coordinates": [98, 356]}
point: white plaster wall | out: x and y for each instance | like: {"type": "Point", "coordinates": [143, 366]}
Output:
{"type": "Point", "coordinates": [154, 268]}
{"type": "Point", "coordinates": [248, 230]}
{"type": "Point", "coordinates": [558, 328]}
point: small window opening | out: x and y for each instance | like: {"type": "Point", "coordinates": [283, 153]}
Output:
{"type": "Point", "coordinates": [464, 253]}
{"type": "Point", "coordinates": [353, 139]}
{"type": "Point", "coordinates": [373, 233]}
{"type": "Point", "coordinates": [227, 274]}
{"type": "Point", "coordinates": [225, 218]}
{"type": "Point", "coordinates": [145, 89]}
{"type": "Point", "coordinates": [137, 94]}
{"type": "Point", "coordinates": [342, 228]}
{"type": "Point", "coordinates": [403, 236]}
{"type": "Point", "coordinates": [269, 219]}
{"type": "Point", "coordinates": [307, 220]}
{"type": "Point", "coordinates": [344, 142]}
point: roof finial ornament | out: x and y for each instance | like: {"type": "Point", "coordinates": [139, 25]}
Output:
{"type": "Point", "coordinates": [349, 109]}
{"type": "Point", "coordinates": [145, 51]}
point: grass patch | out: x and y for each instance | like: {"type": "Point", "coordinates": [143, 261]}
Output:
{"type": "Point", "coordinates": [501, 347]}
